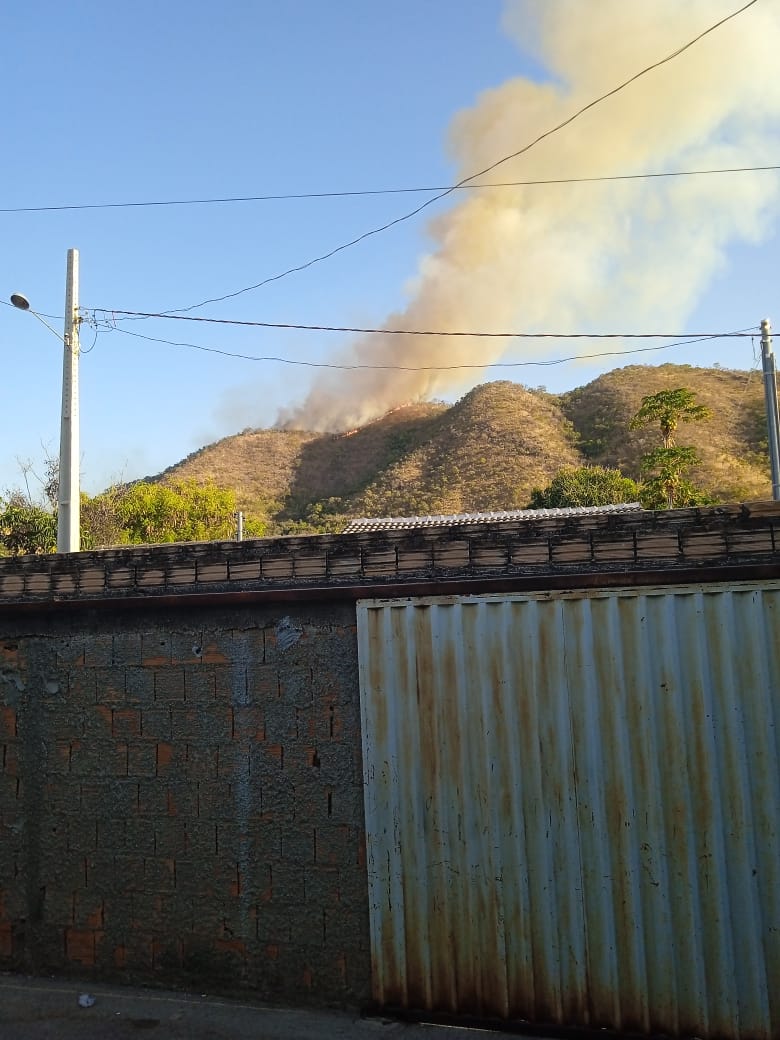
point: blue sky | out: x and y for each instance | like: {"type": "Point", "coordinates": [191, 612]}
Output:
{"type": "Point", "coordinates": [178, 100]}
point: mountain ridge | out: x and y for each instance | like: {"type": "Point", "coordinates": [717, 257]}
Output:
{"type": "Point", "coordinates": [488, 451]}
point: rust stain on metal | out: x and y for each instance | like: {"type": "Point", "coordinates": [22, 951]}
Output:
{"type": "Point", "coordinates": [572, 804]}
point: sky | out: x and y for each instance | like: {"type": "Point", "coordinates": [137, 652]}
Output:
{"type": "Point", "coordinates": [148, 102]}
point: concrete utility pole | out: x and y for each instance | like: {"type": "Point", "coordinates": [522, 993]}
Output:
{"type": "Point", "coordinates": [770, 395]}
{"type": "Point", "coordinates": [69, 500]}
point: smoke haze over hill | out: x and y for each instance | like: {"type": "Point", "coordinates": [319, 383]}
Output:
{"type": "Point", "coordinates": [581, 257]}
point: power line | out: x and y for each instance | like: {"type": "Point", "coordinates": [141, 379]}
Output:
{"type": "Point", "coordinates": [408, 332]}
{"type": "Point", "coordinates": [383, 191]}
{"type": "Point", "coordinates": [56, 317]}
{"type": "Point", "coordinates": [473, 176]}
{"type": "Point", "coordinates": [438, 368]}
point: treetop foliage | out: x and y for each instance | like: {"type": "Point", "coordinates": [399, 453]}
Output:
{"type": "Point", "coordinates": [585, 486]}
{"type": "Point", "coordinates": [137, 514]}
{"type": "Point", "coordinates": [669, 408]}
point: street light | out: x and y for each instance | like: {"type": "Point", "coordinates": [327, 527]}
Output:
{"type": "Point", "coordinates": [68, 496]}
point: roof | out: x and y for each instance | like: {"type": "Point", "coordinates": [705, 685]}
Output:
{"type": "Point", "coordinates": [409, 523]}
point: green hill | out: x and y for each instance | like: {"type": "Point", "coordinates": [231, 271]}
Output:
{"type": "Point", "coordinates": [488, 451]}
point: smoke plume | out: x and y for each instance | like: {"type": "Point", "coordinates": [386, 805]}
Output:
{"type": "Point", "coordinates": [583, 257]}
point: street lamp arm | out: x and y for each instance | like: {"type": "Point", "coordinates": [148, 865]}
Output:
{"type": "Point", "coordinates": [20, 301]}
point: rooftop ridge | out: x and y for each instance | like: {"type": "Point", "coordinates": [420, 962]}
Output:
{"type": "Point", "coordinates": [387, 523]}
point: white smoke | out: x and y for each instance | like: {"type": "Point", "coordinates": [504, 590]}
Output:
{"type": "Point", "coordinates": [633, 254]}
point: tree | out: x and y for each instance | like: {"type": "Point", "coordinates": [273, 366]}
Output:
{"type": "Point", "coordinates": [180, 512]}
{"type": "Point", "coordinates": [26, 528]}
{"type": "Point", "coordinates": [665, 485]}
{"type": "Point", "coordinates": [669, 408]}
{"type": "Point", "coordinates": [101, 519]}
{"type": "Point", "coordinates": [585, 486]}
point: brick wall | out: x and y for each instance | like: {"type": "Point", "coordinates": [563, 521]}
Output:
{"type": "Point", "coordinates": [181, 799]}
{"type": "Point", "coordinates": [180, 774]}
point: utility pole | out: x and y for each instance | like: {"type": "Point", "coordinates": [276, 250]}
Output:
{"type": "Point", "coordinates": [69, 500]}
{"type": "Point", "coordinates": [770, 395]}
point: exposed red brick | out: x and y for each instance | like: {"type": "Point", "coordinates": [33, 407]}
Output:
{"type": "Point", "coordinates": [9, 757]}
{"type": "Point", "coordinates": [127, 723]}
{"type": "Point", "coordinates": [106, 715]}
{"type": "Point", "coordinates": [95, 919]}
{"type": "Point", "coordinates": [155, 661]}
{"type": "Point", "coordinates": [274, 751]}
{"type": "Point", "coordinates": [164, 756]}
{"type": "Point", "coordinates": [119, 761]}
{"type": "Point", "coordinates": [80, 946]}
{"type": "Point", "coordinates": [213, 655]}
{"type": "Point", "coordinates": [7, 722]}
{"type": "Point", "coordinates": [231, 946]}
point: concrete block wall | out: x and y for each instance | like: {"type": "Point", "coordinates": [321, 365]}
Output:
{"type": "Point", "coordinates": [181, 800]}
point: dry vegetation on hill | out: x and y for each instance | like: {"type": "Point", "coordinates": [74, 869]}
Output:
{"type": "Point", "coordinates": [488, 451]}
{"type": "Point", "coordinates": [732, 445]}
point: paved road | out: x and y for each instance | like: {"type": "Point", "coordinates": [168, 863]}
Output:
{"type": "Point", "coordinates": [47, 1009]}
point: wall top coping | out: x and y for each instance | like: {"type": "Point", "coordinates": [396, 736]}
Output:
{"type": "Point", "coordinates": [724, 540]}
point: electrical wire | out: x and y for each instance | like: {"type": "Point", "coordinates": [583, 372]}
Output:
{"type": "Point", "coordinates": [91, 347]}
{"type": "Point", "coordinates": [107, 322]}
{"type": "Point", "coordinates": [431, 368]}
{"type": "Point", "coordinates": [385, 191]}
{"type": "Point", "coordinates": [54, 317]}
{"type": "Point", "coordinates": [441, 195]}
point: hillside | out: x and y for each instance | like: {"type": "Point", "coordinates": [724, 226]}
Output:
{"type": "Point", "coordinates": [488, 451]}
{"type": "Point", "coordinates": [732, 445]}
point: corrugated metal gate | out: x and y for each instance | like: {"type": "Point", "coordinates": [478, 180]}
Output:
{"type": "Point", "coordinates": [573, 806]}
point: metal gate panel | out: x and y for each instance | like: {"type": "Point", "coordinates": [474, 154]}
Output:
{"type": "Point", "coordinates": [573, 806]}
